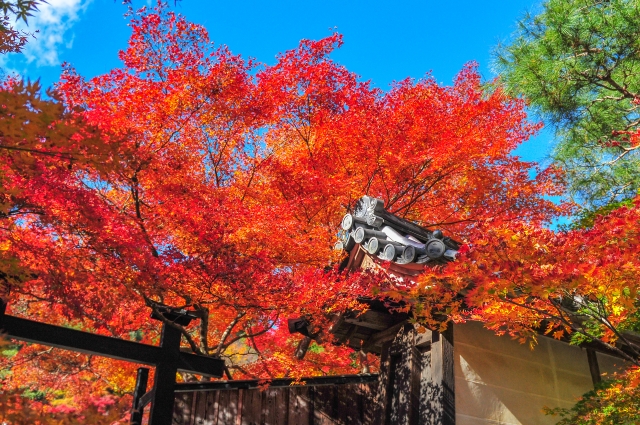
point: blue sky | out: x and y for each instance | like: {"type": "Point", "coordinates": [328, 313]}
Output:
{"type": "Point", "coordinates": [384, 42]}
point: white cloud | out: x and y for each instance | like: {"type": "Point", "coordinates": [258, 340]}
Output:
{"type": "Point", "coordinates": [53, 21]}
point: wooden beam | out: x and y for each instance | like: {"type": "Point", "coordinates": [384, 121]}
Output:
{"type": "Point", "coordinates": [147, 398]}
{"type": "Point", "coordinates": [392, 392]}
{"type": "Point", "coordinates": [301, 349]}
{"type": "Point", "coordinates": [355, 258]}
{"type": "Point", "coordinates": [364, 324]}
{"type": "Point", "coordinates": [275, 383]}
{"type": "Point", "coordinates": [347, 336]}
{"type": "Point", "coordinates": [382, 337]}
{"type": "Point", "coordinates": [79, 341]}
{"type": "Point", "coordinates": [371, 319]}
{"type": "Point", "coordinates": [200, 365]}
{"type": "Point", "coordinates": [167, 358]}
{"type": "Point", "coordinates": [115, 348]}
{"type": "Point", "coordinates": [633, 338]}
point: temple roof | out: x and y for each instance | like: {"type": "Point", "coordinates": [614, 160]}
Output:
{"type": "Point", "coordinates": [372, 231]}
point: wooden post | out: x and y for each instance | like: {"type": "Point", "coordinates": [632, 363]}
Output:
{"type": "Point", "coordinates": [416, 384]}
{"type": "Point", "coordinates": [3, 308]}
{"type": "Point", "coordinates": [164, 380]}
{"type": "Point", "coordinates": [441, 407]}
{"type": "Point", "coordinates": [5, 291]}
{"type": "Point", "coordinates": [141, 387]}
{"type": "Point", "coordinates": [420, 361]}
{"type": "Point", "coordinates": [593, 367]}
{"type": "Point", "coordinates": [381, 397]}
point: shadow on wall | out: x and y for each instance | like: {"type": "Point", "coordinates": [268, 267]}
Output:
{"type": "Point", "coordinates": [500, 381]}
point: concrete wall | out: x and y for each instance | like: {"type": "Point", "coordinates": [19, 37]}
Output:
{"type": "Point", "coordinates": [500, 381]}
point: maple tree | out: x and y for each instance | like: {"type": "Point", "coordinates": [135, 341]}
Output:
{"type": "Point", "coordinates": [12, 39]}
{"type": "Point", "coordinates": [41, 144]}
{"type": "Point", "coordinates": [195, 178]}
{"type": "Point", "coordinates": [525, 278]}
{"type": "Point", "coordinates": [576, 62]}
{"type": "Point", "coordinates": [614, 402]}
{"type": "Point", "coordinates": [15, 409]}
{"type": "Point", "coordinates": [578, 285]}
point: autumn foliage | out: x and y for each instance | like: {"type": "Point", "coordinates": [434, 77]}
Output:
{"type": "Point", "coordinates": [521, 278]}
{"type": "Point", "coordinates": [199, 179]}
{"type": "Point", "coordinates": [616, 401]}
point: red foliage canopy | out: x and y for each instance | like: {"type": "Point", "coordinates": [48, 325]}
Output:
{"type": "Point", "coordinates": [217, 183]}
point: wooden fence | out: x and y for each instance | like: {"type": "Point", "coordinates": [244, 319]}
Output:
{"type": "Point", "coordinates": [415, 387]}
{"type": "Point", "coordinates": [349, 403]}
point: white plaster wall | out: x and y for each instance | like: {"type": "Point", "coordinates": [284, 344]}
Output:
{"type": "Point", "coordinates": [500, 381]}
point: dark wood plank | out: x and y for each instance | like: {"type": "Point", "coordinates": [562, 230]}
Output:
{"type": "Point", "coordinates": [416, 382]}
{"type": "Point", "coordinates": [380, 399]}
{"type": "Point", "coordinates": [224, 407]}
{"type": "Point", "coordinates": [281, 406]}
{"type": "Point", "coordinates": [182, 409]}
{"type": "Point", "coordinates": [372, 319]}
{"type": "Point", "coordinates": [299, 406]}
{"type": "Point", "coordinates": [369, 416]}
{"type": "Point", "coordinates": [395, 376]}
{"type": "Point", "coordinates": [380, 338]}
{"type": "Point", "coordinates": [399, 404]}
{"type": "Point", "coordinates": [323, 405]}
{"type": "Point", "coordinates": [200, 409]}
{"type": "Point", "coordinates": [347, 405]}
{"type": "Point", "coordinates": [425, 387]}
{"type": "Point", "coordinates": [420, 376]}
{"type": "Point", "coordinates": [311, 397]}
{"type": "Point", "coordinates": [347, 335]}
{"type": "Point", "coordinates": [270, 406]}
{"type": "Point", "coordinates": [239, 407]}
{"type": "Point", "coordinates": [275, 383]}
{"type": "Point", "coordinates": [448, 363]}
{"type": "Point", "coordinates": [214, 408]}
{"type": "Point", "coordinates": [194, 406]}
{"type": "Point", "coordinates": [252, 407]}
{"type": "Point", "coordinates": [232, 410]}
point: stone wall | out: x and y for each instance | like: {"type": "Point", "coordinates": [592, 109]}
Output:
{"type": "Point", "coordinates": [500, 381]}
